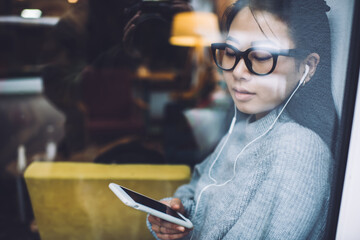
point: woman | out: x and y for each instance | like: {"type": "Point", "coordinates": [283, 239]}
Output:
{"type": "Point", "coordinates": [270, 176]}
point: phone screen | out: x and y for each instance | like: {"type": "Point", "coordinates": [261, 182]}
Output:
{"type": "Point", "coordinates": [151, 203]}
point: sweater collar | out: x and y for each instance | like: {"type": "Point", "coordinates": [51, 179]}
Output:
{"type": "Point", "coordinates": [258, 127]}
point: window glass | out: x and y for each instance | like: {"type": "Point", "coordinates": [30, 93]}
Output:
{"type": "Point", "coordinates": [235, 108]}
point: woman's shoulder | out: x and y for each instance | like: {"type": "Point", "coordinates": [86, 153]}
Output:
{"type": "Point", "coordinates": [298, 145]}
{"type": "Point", "coordinates": [292, 133]}
{"type": "Point", "coordinates": [301, 159]}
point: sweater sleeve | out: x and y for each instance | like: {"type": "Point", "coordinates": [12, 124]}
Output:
{"type": "Point", "coordinates": [186, 192]}
{"type": "Point", "coordinates": [292, 202]}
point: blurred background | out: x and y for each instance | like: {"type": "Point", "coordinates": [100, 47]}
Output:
{"type": "Point", "coordinates": [100, 81]}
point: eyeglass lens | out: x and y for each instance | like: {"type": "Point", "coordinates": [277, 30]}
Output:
{"type": "Point", "coordinates": [260, 61]}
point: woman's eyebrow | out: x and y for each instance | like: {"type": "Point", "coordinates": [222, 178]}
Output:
{"type": "Point", "coordinates": [253, 43]}
{"type": "Point", "coordinates": [232, 39]}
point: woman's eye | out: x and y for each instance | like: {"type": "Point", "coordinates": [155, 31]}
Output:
{"type": "Point", "coordinates": [260, 56]}
{"type": "Point", "coordinates": [229, 52]}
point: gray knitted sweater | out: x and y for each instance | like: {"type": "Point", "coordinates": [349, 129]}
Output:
{"type": "Point", "coordinates": [280, 189]}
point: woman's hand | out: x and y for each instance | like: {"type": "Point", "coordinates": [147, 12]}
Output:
{"type": "Point", "coordinates": [166, 230]}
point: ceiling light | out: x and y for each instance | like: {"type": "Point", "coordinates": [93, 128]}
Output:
{"type": "Point", "coordinates": [31, 13]}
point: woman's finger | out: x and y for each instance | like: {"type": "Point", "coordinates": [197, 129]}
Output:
{"type": "Point", "coordinates": [172, 226]}
{"type": "Point", "coordinates": [154, 220]}
{"type": "Point", "coordinates": [177, 205]}
{"type": "Point", "coordinates": [158, 223]}
{"type": "Point", "coordinates": [171, 236]}
{"type": "Point", "coordinates": [163, 230]}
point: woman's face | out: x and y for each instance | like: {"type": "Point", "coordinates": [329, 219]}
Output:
{"type": "Point", "coordinates": [251, 93]}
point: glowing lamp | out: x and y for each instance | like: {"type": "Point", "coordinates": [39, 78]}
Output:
{"type": "Point", "coordinates": [193, 29]}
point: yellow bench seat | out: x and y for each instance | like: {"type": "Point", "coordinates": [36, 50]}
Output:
{"type": "Point", "coordinates": [72, 200]}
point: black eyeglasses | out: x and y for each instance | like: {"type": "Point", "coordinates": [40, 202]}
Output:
{"type": "Point", "coordinates": [259, 60]}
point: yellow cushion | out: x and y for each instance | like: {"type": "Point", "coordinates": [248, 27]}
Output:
{"type": "Point", "coordinates": [72, 200]}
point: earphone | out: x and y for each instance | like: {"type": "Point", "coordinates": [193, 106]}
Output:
{"type": "Point", "coordinates": [306, 72]}
{"type": "Point", "coordinates": [215, 182]}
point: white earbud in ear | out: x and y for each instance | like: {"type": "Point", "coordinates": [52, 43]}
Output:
{"type": "Point", "coordinates": [307, 69]}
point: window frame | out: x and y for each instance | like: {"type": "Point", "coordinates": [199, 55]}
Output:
{"type": "Point", "coordinates": [336, 220]}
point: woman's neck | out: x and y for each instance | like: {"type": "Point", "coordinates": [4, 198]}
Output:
{"type": "Point", "coordinates": [260, 115]}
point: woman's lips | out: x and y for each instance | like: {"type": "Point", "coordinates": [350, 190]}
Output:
{"type": "Point", "coordinates": [242, 94]}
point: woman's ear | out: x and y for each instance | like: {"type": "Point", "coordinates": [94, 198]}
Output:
{"type": "Point", "coordinates": [312, 60]}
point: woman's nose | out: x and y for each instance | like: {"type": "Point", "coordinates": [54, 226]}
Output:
{"type": "Point", "coordinates": [241, 71]}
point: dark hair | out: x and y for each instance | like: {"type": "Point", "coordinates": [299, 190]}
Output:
{"type": "Point", "coordinates": [313, 106]}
